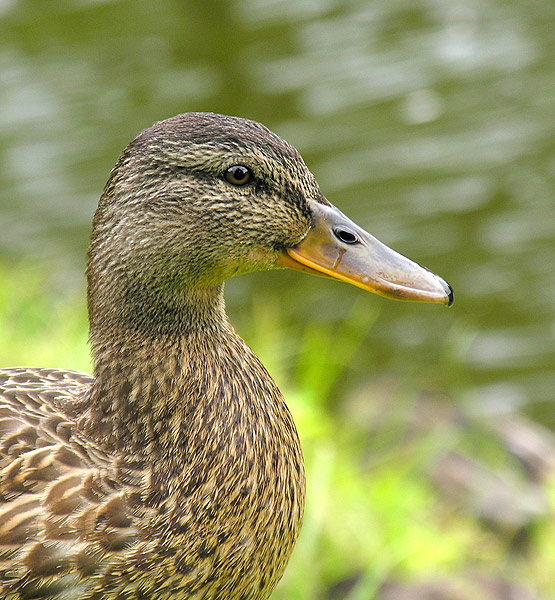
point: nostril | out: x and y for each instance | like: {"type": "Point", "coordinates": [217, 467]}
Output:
{"type": "Point", "coordinates": [345, 235]}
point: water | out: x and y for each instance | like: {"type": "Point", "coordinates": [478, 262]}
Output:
{"type": "Point", "coordinates": [431, 124]}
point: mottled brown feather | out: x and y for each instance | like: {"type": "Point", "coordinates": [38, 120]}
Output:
{"type": "Point", "coordinates": [175, 471]}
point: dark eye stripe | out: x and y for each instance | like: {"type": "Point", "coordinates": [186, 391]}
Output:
{"type": "Point", "coordinates": [238, 175]}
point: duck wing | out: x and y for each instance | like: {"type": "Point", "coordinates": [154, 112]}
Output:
{"type": "Point", "coordinates": [62, 512]}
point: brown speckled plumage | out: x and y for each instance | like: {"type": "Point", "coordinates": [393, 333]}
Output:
{"type": "Point", "coordinates": [175, 471]}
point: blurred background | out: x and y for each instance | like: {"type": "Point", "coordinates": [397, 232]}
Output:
{"type": "Point", "coordinates": [428, 433]}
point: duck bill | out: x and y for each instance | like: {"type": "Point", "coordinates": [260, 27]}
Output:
{"type": "Point", "coordinates": [338, 248]}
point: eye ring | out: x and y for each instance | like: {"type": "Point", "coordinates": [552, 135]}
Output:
{"type": "Point", "coordinates": [346, 235]}
{"type": "Point", "coordinates": [238, 175]}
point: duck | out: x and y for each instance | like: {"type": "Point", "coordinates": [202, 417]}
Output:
{"type": "Point", "coordinates": [175, 470]}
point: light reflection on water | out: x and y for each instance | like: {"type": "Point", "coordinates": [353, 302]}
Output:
{"type": "Point", "coordinates": [431, 125]}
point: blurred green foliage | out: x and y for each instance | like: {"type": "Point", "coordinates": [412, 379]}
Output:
{"type": "Point", "coordinates": [41, 323]}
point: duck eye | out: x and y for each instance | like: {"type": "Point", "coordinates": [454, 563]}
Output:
{"type": "Point", "coordinates": [345, 235]}
{"type": "Point", "coordinates": [238, 175]}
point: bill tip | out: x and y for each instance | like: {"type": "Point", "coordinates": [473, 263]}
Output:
{"type": "Point", "coordinates": [449, 291]}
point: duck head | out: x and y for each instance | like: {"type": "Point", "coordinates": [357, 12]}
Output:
{"type": "Point", "coordinates": [199, 198]}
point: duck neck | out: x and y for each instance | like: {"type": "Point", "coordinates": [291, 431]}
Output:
{"type": "Point", "coordinates": [163, 371]}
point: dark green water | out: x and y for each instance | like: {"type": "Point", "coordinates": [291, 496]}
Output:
{"type": "Point", "coordinates": [431, 123]}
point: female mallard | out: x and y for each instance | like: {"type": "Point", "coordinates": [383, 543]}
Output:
{"type": "Point", "coordinates": [176, 471]}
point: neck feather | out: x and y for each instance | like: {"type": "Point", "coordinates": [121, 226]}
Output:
{"type": "Point", "coordinates": [167, 396]}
